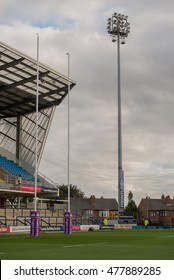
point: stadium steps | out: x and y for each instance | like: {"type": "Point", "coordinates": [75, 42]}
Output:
{"type": "Point", "coordinates": [21, 221]}
{"type": "Point", "coordinates": [7, 221]}
{"type": "Point", "coordinates": [17, 212]}
{"type": "Point", "coordinates": [51, 221]}
{"type": "Point", "coordinates": [95, 220]}
{"type": "Point", "coordinates": [42, 212]}
{"type": "Point", "coordinates": [77, 221]}
{"type": "Point", "coordinates": [44, 221]}
{"type": "Point", "coordinates": [55, 214]}
{"type": "Point", "coordinates": [2, 212]}
{"type": "Point", "coordinates": [19, 217]}
{"type": "Point", "coordinates": [2, 220]}
{"type": "Point", "coordinates": [11, 221]}
{"type": "Point", "coordinates": [9, 213]}
{"type": "Point", "coordinates": [26, 212]}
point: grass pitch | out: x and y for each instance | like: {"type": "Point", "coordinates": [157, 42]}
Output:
{"type": "Point", "coordinates": [92, 245]}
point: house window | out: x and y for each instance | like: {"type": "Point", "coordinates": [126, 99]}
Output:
{"type": "Point", "coordinates": [164, 213]}
{"type": "Point", "coordinates": [152, 214]}
{"type": "Point", "coordinates": [88, 213]}
{"type": "Point", "coordinates": [104, 213]}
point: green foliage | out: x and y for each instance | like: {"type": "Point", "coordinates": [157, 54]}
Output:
{"type": "Point", "coordinates": [131, 205]}
{"type": "Point", "coordinates": [74, 192]}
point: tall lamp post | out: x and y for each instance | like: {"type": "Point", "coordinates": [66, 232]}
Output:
{"type": "Point", "coordinates": [119, 28]}
{"type": "Point", "coordinates": [68, 214]}
{"type": "Point", "coordinates": [35, 215]}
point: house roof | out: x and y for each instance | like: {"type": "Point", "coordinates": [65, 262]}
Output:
{"type": "Point", "coordinates": [158, 204]}
{"type": "Point", "coordinates": [100, 204]}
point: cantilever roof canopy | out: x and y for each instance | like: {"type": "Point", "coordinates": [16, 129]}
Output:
{"type": "Point", "coordinates": [18, 76]}
{"type": "Point", "coordinates": [18, 88]}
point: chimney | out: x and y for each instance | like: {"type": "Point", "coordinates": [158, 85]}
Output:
{"type": "Point", "coordinates": [92, 199]}
{"type": "Point", "coordinates": [167, 200]}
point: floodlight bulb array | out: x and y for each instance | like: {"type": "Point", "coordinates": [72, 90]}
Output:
{"type": "Point", "coordinates": [118, 26]}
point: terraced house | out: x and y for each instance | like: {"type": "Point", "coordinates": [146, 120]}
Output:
{"type": "Point", "coordinates": [157, 211]}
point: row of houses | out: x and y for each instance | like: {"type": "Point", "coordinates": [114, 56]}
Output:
{"type": "Point", "coordinates": [157, 211]}
{"type": "Point", "coordinates": [92, 209]}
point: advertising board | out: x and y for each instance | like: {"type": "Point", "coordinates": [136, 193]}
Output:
{"type": "Point", "coordinates": [87, 227]}
{"type": "Point", "coordinates": [4, 229]}
{"type": "Point", "coordinates": [16, 229]}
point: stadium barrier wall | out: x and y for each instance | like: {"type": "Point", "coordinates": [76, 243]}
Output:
{"type": "Point", "coordinates": [87, 227]}
{"type": "Point", "coordinates": [4, 229]}
{"type": "Point", "coordinates": [52, 228]}
{"type": "Point", "coordinates": [75, 227]}
{"type": "Point", "coordinates": [16, 229]}
{"type": "Point", "coordinates": [20, 229]}
{"type": "Point", "coordinates": [123, 226]}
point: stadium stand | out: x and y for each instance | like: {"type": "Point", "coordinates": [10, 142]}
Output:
{"type": "Point", "coordinates": [18, 79]}
{"type": "Point", "coordinates": [14, 169]}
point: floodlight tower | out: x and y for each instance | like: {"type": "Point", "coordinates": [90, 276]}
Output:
{"type": "Point", "coordinates": [119, 28]}
{"type": "Point", "coordinates": [35, 215]}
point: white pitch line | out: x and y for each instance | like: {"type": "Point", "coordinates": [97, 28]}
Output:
{"type": "Point", "coordinates": [167, 236]}
{"type": "Point", "coordinates": [1, 253]}
{"type": "Point", "coordinates": [82, 245]}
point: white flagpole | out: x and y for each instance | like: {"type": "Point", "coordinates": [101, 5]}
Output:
{"type": "Point", "coordinates": [36, 150]}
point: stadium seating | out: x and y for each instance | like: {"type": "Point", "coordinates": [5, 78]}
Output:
{"type": "Point", "coordinates": [11, 214]}
{"type": "Point", "coordinates": [14, 169]}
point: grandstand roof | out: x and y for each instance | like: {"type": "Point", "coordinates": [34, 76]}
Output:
{"type": "Point", "coordinates": [18, 78]}
{"type": "Point", "coordinates": [18, 90]}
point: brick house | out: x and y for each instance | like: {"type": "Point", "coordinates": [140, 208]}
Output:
{"type": "Point", "coordinates": [157, 211]}
{"type": "Point", "coordinates": [91, 208]}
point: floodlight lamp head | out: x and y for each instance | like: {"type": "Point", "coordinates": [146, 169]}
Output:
{"type": "Point", "coordinates": [117, 25]}
{"type": "Point", "coordinates": [123, 41]}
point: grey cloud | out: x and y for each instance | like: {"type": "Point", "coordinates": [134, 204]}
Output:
{"type": "Point", "coordinates": [147, 90]}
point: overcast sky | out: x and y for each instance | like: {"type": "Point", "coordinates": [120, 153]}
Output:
{"type": "Point", "coordinates": [147, 86]}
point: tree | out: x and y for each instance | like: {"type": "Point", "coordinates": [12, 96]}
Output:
{"type": "Point", "coordinates": [131, 205]}
{"type": "Point", "coordinates": [74, 192]}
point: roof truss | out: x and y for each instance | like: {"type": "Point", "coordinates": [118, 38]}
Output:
{"type": "Point", "coordinates": [18, 79]}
